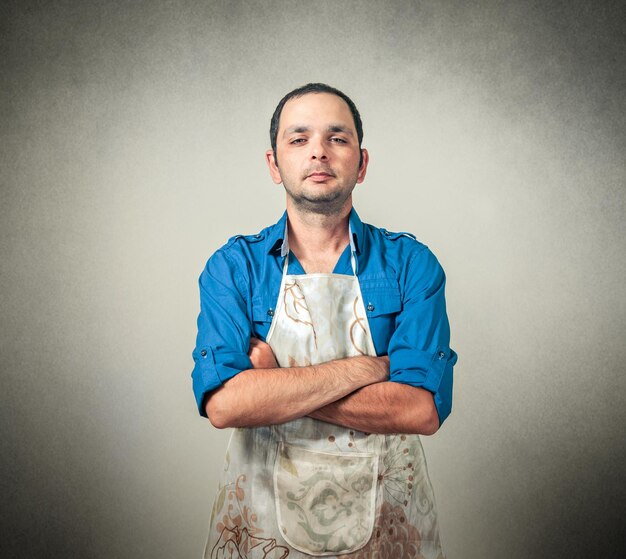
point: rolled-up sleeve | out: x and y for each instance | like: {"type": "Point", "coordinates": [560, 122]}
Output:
{"type": "Point", "coordinates": [224, 330]}
{"type": "Point", "coordinates": [419, 349]}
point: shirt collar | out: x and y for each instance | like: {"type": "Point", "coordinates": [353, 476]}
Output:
{"type": "Point", "coordinates": [277, 238]}
{"type": "Point", "coordinates": [356, 225]}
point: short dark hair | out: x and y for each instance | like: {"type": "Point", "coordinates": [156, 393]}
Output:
{"type": "Point", "coordinates": [315, 88]}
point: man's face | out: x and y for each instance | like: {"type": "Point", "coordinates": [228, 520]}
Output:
{"type": "Point", "coordinates": [317, 153]}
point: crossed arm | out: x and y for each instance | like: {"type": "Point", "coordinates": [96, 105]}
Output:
{"type": "Point", "coordinates": [353, 392]}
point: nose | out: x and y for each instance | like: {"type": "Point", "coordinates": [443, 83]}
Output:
{"type": "Point", "coordinates": [318, 150]}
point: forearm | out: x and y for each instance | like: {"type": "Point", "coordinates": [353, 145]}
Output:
{"type": "Point", "coordinates": [271, 396]}
{"type": "Point", "coordinates": [385, 407]}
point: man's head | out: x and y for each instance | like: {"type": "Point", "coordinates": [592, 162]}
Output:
{"type": "Point", "coordinates": [314, 88]}
{"type": "Point", "coordinates": [316, 153]}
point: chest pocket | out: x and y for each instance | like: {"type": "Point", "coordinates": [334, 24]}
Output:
{"type": "Point", "coordinates": [262, 316]}
{"type": "Point", "coordinates": [383, 304]}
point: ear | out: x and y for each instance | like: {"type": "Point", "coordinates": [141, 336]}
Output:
{"type": "Point", "coordinates": [273, 167]}
{"type": "Point", "coordinates": [363, 168]}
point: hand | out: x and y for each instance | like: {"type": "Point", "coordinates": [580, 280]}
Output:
{"type": "Point", "coordinates": [261, 355]}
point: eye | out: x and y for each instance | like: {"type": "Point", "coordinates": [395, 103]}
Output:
{"type": "Point", "coordinates": [296, 141]}
{"type": "Point", "coordinates": [338, 140]}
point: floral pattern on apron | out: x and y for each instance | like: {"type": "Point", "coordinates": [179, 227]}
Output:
{"type": "Point", "coordinates": [310, 488]}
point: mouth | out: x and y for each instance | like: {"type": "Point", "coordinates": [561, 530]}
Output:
{"type": "Point", "coordinates": [320, 176]}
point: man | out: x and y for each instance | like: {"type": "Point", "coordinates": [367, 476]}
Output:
{"type": "Point", "coordinates": [325, 342]}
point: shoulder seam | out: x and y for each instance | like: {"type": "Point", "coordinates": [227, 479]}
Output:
{"type": "Point", "coordinates": [238, 277]}
{"type": "Point", "coordinates": [422, 247]}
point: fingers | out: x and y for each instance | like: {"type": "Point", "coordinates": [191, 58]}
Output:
{"type": "Point", "coordinates": [261, 355]}
{"type": "Point", "coordinates": [255, 342]}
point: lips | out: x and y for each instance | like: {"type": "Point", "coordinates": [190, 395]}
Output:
{"type": "Point", "coordinates": [320, 175]}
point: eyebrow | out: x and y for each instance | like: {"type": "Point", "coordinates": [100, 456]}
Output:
{"type": "Point", "coordinates": [297, 129]}
{"type": "Point", "coordinates": [300, 129]}
{"type": "Point", "coordinates": [338, 128]}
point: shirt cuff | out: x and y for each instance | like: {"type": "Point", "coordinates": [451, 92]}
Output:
{"type": "Point", "coordinates": [211, 371]}
{"type": "Point", "coordinates": [431, 371]}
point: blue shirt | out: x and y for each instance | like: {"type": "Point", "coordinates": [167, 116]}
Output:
{"type": "Point", "coordinates": [401, 281]}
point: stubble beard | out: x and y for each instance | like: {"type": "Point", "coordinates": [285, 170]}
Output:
{"type": "Point", "coordinates": [320, 203]}
{"type": "Point", "coordinates": [324, 204]}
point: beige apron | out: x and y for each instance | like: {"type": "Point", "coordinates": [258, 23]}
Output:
{"type": "Point", "coordinates": [309, 488]}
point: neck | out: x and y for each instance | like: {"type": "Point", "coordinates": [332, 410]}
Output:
{"type": "Point", "coordinates": [318, 239]}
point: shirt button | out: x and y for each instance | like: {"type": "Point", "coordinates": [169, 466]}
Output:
{"type": "Point", "coordinates": [441, 355]}
{"type": "Point", "coordinates": [370, 307]}
{"type": "Point", "coordinates": [203, 353]}
{"type": "Point", "coordinates": [257, 236]}
{"type": "Point", "coordinates": [270, 312]}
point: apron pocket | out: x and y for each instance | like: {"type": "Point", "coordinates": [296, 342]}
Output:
{"type": "Point", "coordinates": [325, 502]}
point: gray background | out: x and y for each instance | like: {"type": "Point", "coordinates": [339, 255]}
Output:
{"type": "Point", "coordinates": [132, 147]}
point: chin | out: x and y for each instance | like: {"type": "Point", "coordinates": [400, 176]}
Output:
{"type": "Point", "coordinates": [322, 205]}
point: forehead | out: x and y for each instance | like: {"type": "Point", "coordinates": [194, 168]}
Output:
{"type": "Point", "coordinates": [316, 109]}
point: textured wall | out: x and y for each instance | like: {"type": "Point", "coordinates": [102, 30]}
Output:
{"type": "Point", "coordinates": [132, 145]}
